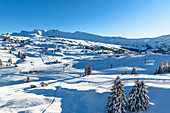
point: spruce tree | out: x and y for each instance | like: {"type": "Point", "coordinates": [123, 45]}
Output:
{"type": "Point", "coordinates": [1, 64]}
{"type": "Point", "coordinates": [24, 56]}
{"type": "Point", "coordinates": [85, 72]}
{"type": "Point", "coordinates": [138, 100]}
{"type": "Point", "coordinates": [28, 79]}
{"type": "Point", "coordinates": [10, 61]}
{"type": "Point", "coordinates": [165, 67]}
{"type": "Point", "coordinates": [19, 54]}
{"type": "Point", "coordinates": [169, 66]}
{"type": "Point", "coordinates": [89, 70]}
{"type": "Point", "coordinates": [126, 72]}
{"type": "Point", "coordinates": [117, 100]}
{"type": "Point", "coordinates": [5, 48]}
{"type": "Point", "coordinates": [134, 71]}
{"type": "Point", "coordinates": [10, 51]}
{"type": "Point", "coordinates": [156, 71]}
{"type": "Point", "coordinates": [160, 70]}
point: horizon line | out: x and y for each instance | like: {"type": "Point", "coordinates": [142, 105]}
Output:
{"type": "Point", "coordinates": [102, 35]}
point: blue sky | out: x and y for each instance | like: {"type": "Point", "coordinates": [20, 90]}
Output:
{"type": "Point", "coordinates": [129, 18]}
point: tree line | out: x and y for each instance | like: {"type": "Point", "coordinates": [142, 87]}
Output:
{"type": "Point", "coordinates": [163, 68]}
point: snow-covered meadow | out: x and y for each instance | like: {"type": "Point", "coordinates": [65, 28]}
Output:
{"type": "Point", "coordinates": [60, 62]}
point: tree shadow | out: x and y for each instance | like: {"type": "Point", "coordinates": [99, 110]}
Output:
{"type": "Point", "coordinates": [75, 101]}
{"type": "Point", "coordinates": [159, 97]}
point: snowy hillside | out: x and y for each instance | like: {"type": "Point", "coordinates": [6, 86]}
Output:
{"type": "Point", "coordinates": [59, 58]}
{"type": "Point", "coordinates": [145, 44]}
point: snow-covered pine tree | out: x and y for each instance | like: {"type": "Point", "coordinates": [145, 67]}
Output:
{"type": "Point", "coordinates": [117, 100]}
{"type": "Point", "coordinates": [169, 66]}
{"type": "Point", "coordinates": [10, 60]}
{"type": "Point", "coordinates": [156, 71]}
{"type": "Point", "coordinates": [134, 71]}
{"type": "Point", "coordinates": [138, 100]}
{"type": "Point", "coordinates": [160, 70]}
{"type": "Point", "coordinates": [85, 71]}
{"type": "Point", "coordinates": [165, 67]}
{"type": "Point", "coordinates": [89, 70]}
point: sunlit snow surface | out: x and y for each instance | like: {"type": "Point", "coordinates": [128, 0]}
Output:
{"type": "Point", "coordinates": [70, 91]}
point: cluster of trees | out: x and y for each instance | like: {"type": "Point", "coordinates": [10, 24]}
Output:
{"type": "Point", "coordinates": [22, 56]}
{"type": "Point", "coordinates": [163, 68]}
{"type": "Point", "coordinates": [132, 72]}
{"type": "Point", "coordinates": [9, 61]}
{"type": "Point", "coordinates": [88, 70]}
{"type": "Point", "coordinates": [138, 100]}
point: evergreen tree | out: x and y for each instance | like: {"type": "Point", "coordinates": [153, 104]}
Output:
{"type": "Point", "coordinates": [19, 54]}
{"type": "Point", "coordinates": [1, 64]}
{"type": "Point", "coordinates": [85, 72]}
{"type": "Point", "coordinates": [169, 66]}
{"type": "Point", "coordinates": [134, 71]}
{"type": "Point", "coordinates": [138, 100]}
{"type": "Point", "coordinates": [10, 61]}
{"type": "Point", "coordinates": [126, 72]}
{"type": "Point", "coordinates": [165, 67]}
{"type": "Point", "coordinates": [24, 56]}
{"type": "Point", "coordinates": [160, 70]}
{"type": "Point", "coordinates": [5, 48]}
{"type": "Point", "coordinates": [156, 71]}
{"type": "Point", "coordinates": [28, 79]}
{"type": "Point", "coordinates": [117, 100]}
{"type": "Point", "coordinates": [89, 70]}
{"type": "Point", "coordinates": [10, 51]}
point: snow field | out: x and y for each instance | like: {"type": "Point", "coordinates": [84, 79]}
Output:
{"type": "Point", "coordinates": [69, 91]}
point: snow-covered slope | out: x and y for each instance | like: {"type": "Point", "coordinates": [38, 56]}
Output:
{"type": "Point", "coordinates": [60, 62]}
{"type": "Point", "coordinates": [152, 44]}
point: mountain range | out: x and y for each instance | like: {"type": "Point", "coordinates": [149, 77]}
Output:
{"type": "Point", "coordinates": [161, 43]}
